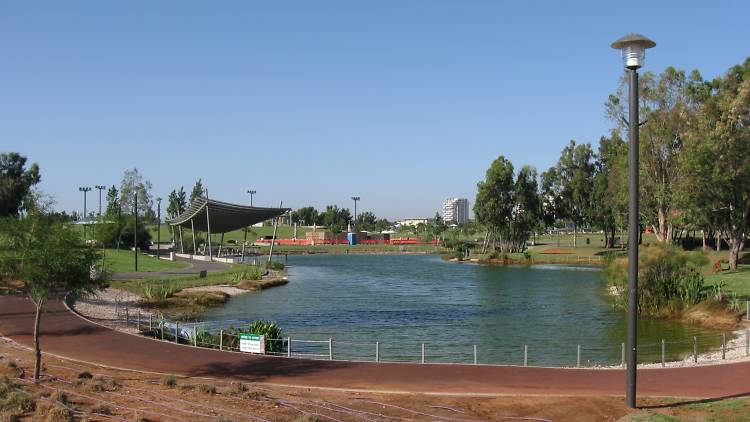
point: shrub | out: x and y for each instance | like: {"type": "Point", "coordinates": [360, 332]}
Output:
{"type": "Point", "coordinates": [18, 401]}
{"type": "Point", "coordinates": [251, 272]}
{"type": "Point", "coordinates": [207, 388]}
{"type": "Point", "coordinates": [85, 375]}
{"type": "Point", "coordinates": [101, 384]}
{"type": "Point", "coordinates": [272, 332]}
{"type": "Point", "coordinates": [53, 412]}
{"type": "Point", "coordinates": [59, 396]}
{"type": "Point", "coordinates": [160, 293]}
{"type": "Point", "coordinates": [101, 409]}
{"type": "Point", "coordinates": [274, 265]}
{"type": "Point", "coordinates": [237, 388]}
{"type": "Point", "coordinates": [667, 277]}
{"type": "Point", "coordinates": [169, 381]}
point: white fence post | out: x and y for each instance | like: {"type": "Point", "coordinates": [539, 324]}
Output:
{"type": "Point", "coordinates": [525, 355]}
{"type": "Point", "coordinates": [377, 351]}
{"type": "Point", "coordinates": [330, 349]}
{"type": "Point", "coordinates": [221, 339]}
{"type": "Point", "coordinates": [422, 352]}
{"type": "Point", "coordinates": [475, 354]}
{"type": "Point", "coordinates": [663, 353]}
{"type": "Point", "coordinates": [288, 347]}
{"type": "Point", "coordinates": [578, 357]}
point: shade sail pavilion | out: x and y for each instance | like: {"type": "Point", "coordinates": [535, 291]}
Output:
{"type": "Point", "coordinates": [212, 216]}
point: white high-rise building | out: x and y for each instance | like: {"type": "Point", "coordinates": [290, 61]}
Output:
{"type": "Point", "coordinates": [456, 210]}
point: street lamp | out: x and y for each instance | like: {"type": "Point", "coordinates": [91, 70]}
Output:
{"type": "Point", "coordinates": [633, 47]}
{"type": "Point", "coordinates": [85, 190]}
{"type": "Point", "coordinates": [158, 228]}
{"type": "Point", "coordinates": [251, 192]}
{"type": "Point", "coordinates": [355, 199]}
{"type": "Point", "coordinates": [101, 188]}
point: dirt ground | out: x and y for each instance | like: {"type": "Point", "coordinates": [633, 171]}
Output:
{"type": "Point", "coordinates": [100, 394]}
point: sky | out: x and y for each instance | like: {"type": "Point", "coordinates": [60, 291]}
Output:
{"type": "Point", "coordinates": [403, 103]}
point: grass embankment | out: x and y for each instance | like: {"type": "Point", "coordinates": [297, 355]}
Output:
{"type": "Point", "coordinates": [171, 295]}
{"type": "Point", "coordinates": [122, 261]}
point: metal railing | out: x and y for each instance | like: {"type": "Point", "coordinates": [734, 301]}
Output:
{"type": "Point", "coordinates": [222, 336]}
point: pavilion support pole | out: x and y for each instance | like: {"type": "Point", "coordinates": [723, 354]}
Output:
{"type": "Point", "coordinates": [182, 245]}
{"type": "Point", "coordinates": [221, 243]}
{"type": "Point", "coordinates": [273, 238]}
{"type": "Point", "coordinates": [208, 224]}
{"type": "Point", "coordinates": [244, 242]}
{"type": "Point", "coordinates": [192, 228]}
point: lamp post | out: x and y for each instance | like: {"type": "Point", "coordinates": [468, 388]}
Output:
{"type": "Point", "coordinates": [100, 188]}
{"type": "Point", "coordinates": [251, 192]}
{"type": "Point", "coordinates": [158, 228]}
{"type": "Point", "coordinates": [135, 230]}
{"type": "Point", "coordinates": [633, 47]}
{"type": "Point", "coordinates": [355, 199]}
{"type": "Point", "coordinates": [85, 190]}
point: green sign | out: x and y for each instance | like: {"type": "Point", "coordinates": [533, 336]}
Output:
{"type": "Point", "coordinates": [252, 343]}
{"type": "Point", "coordinates": [249, 336]}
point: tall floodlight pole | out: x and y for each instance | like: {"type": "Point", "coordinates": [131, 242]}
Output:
{"type": "Point", "coordinates": [633, 47]}
{"type": "Point", "coordinates": [355, 199]}
{"type": "Point", "coordinates": [135, 229]}
{"type": "Point", "coordinates": [85, 190]}
{"type": "Point", "coordinates": [100, 188]}
{"type": "Point", "coordinates": [158, 228]}
{"type": "Point", "coordinates": [251, 192]}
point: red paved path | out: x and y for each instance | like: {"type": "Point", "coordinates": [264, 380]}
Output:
{"type": "Point", "coordinates": [68, 335]}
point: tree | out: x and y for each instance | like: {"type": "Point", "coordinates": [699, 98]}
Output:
{"type": "Point", "coordinates": [335, 218]}
{"type": "Point", "coordinates": [609, 190]}
{"type": "Point", "coordinates": [439, 227]}
{"type": "Point", "coordinates": [198, 190]}
{"type": "Point", "coordinates": [15, 183]}
{"type": "Point", "coordinates": [50, 258]}
{"type": "Point", "coordinates": [306, 216]}
{"type": "Point", "coordinates": [132, 183]}
{"type": "Point", "coordinates": [493, 206]}
{"type": "Point", "coordinates": [366, 221]}
{"type": "Point", "coordinates": [113, 202]}
{"type": "Point", "coordinates": [719, 163]}
{"type": "Point", "coordinates": [572, 180]}
{"type": "Point", "coordinates": [667, 105]}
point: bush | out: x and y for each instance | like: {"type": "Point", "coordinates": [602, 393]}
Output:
{"type": "Point", "coordinates": [250, 273]}
{"type": "Point", "coordinates": [668, 278]}
{"type": "Point", "coordinates": [85, 375]}
{"type": "Point", "coordinates": [207, 388]}
{"type": "Point", "coordinates": [53, 412]}
{"type": "Point", "coordinates": [18, 401]}
{"type": "Point", "coordinates": [272, 332]}
{"type": "Point", "coordinates": [159, 293]}
{"type": "Point", "coordinates": [169, 381]}
{"type": "Point", "coordinates": [274, 265]}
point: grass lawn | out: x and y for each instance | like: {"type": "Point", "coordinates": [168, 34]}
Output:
{"type": "Point", "coordinates": [730, 409]}
{"type": "Point", "coordinates": [180, 282]}
{"type": "Point", "coordinates": [122, 261]}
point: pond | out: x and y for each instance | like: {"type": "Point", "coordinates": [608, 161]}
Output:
{"type": "Point", "coordinates": [402, 301]}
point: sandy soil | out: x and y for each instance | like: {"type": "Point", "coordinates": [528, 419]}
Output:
{"type": "Point", "coordinates": [108, 307]}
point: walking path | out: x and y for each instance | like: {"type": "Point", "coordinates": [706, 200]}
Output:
{"type": "Point", "coordinates": [65, 334]}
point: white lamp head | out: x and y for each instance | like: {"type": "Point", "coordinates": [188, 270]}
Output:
{"type": "Point", "coordinates": [633, 47]}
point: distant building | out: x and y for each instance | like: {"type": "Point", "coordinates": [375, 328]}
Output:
{"type": "Point", "coordinates": [456, 210]}
{"type": "Point", "coordinates": [413, 222]}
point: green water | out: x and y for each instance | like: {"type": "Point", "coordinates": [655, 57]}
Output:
{"type": "Point", "coordinates": [402, 301]}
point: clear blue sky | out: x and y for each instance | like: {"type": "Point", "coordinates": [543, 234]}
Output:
{"type": "Point", "coordinates": [403, 103]}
